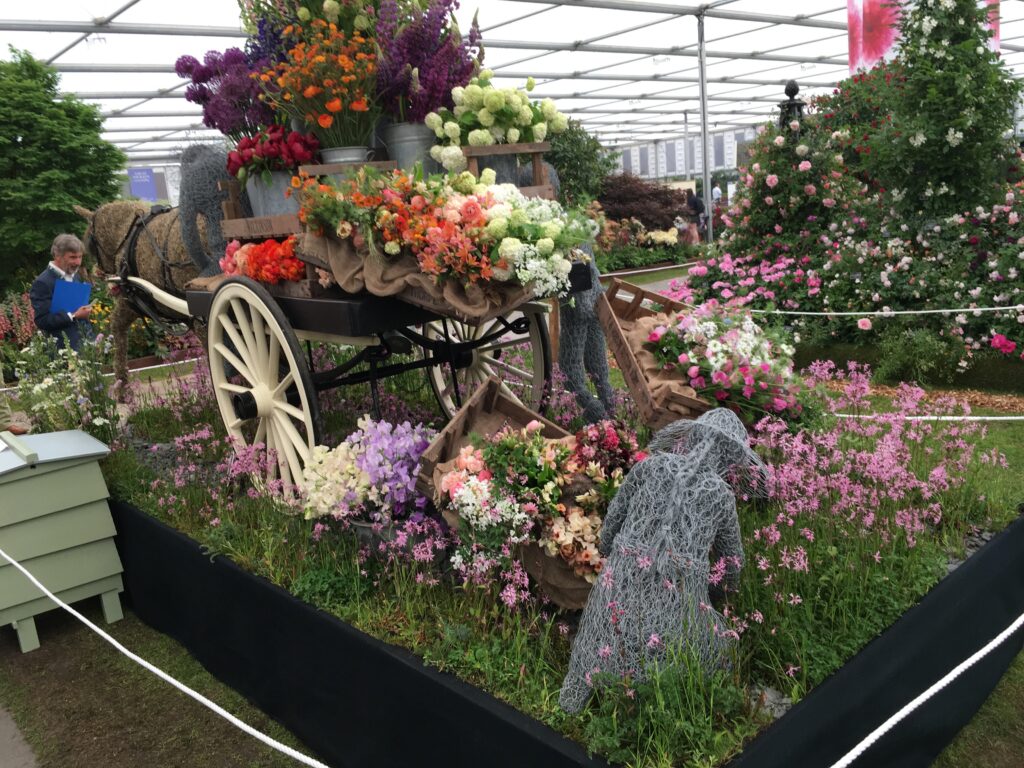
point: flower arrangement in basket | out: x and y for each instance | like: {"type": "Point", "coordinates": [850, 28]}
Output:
{"type": "Point", "coordinates": [520, 495]}
{"type": "Point", "coordinates": [725, 356]}
{"type": "Point", "coordinates": [484, 115]}
{"type": "Point", "coordinates": [456, 228]}
{"type": "Point", "coordinates": [269, 261]}
{"type": "Point", "coordinates": [370, 477]}
{"type": "Point", "coordinates": [272, 149]}
{"type": "Point", "coordinates": [422, 57]}
{"type": "Point", "coordinates": [326, 82]}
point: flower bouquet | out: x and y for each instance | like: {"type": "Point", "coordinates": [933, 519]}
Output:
{"type": "Point", "coordinates": [521, 495]}
{"type": "Point", "coordinates": [272, 149]}
{"type": "Point", "coordinates": [327, 82]}
{"type": "Point", "coordinates": [422, 58]}
{"type": "Point", "coordinates": [268, 262]}
{"type": "Point", "coordinates": [223, 85]}
{"type": "Point", "coordinates": [473, 247]}
{"type": "Point", "coordinates": [725, 356]}
{"type": "Point", "coordinates": [484, 115]}
{"type": "Point", "coordinates": [369, 480]}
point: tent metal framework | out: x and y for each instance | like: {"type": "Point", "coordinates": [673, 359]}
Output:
{"type": "Point", "coordinates": [628, 70]}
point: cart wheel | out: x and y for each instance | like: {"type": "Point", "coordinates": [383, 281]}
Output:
{"type": "Point", "coordinates": [522, 362]}
{"type": "Point", "coordinates": [264, 389]}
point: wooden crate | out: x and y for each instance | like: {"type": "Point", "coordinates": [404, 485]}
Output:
{"type": "Point", "coordinates": [618, 309]}
{"type": "Point", "coordinates": [55, 521]}
{"type": "Point", "coordinates": [485, 412]}
{"type": "Point", "coordinates": [541, 186]}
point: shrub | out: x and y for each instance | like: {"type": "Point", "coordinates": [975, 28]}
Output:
{"type": "Point", "coordinates": [625, 196]}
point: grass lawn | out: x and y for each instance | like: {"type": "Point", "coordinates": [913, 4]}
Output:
{"type": "Point", "coordinates": [80, 703]}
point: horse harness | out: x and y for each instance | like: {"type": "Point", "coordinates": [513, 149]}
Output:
{"type": "Point", "coordinates": [129, 264]}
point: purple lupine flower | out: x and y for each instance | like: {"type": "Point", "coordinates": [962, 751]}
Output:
{"type": "Point", "coordinates": [430, 45]}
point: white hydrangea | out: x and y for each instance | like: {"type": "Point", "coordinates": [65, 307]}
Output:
{"type": "Point", "coordinates": [481, 137]}
{"type": "Point", "coordinates": [458, 95]}
{"type": "Point", "coordinates": [548, 109]}
{"type": "Point", "coordinates": [540, 131]}
{"type": "Point", "coordinates": [512, 134]}
{"type": "Point", "coordinates": [452, 159]}
{"type": "Point", "coordinates": [488, 176]}
{"type": "Point", "coordinates": [433, 122]}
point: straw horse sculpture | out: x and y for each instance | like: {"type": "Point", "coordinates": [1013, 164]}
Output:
{"type": "Point", "coordinates": [166, 247]}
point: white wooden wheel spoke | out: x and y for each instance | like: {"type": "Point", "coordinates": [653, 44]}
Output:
{"type": "Point", "coordinates": [235, 363]}
{"type": "Point", "coordinates": [290, 439]}
{"type": "Point", "coordinates": [243, 321]}
{"type": "Point", "coordinates": [233, 424]}
{"type": "Point", "coordinates": [296, 413]}
{"type": "Point", "coordinates": [509, 368]}
{"type": "Point", "coordinates": [261, 433]}
{"type": "Point", "coordinates": [494, 345]}
{"type": "Point", "coordinates": [282, 385]}
{"type": "Point", "coordinates": [274, 357]}
{"type": "Point", "coordinates": [238, 389]}
{"type": "Point", "coordinates": [259, 330]}
{"type": "Point", "coordinates": [244, 352]}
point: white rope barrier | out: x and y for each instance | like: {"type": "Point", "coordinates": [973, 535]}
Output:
{"type": "Point", "coordinates": [892, 312]}
{"type": "Point", "coordinates": [272, 743]}
{"type": "Point", "coordinates": [872, 416]}
{"type": "Point", "coordinates": [885, 727]}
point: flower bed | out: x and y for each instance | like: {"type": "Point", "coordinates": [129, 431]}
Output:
{"type": "Point", "coordinates": [258, 639]}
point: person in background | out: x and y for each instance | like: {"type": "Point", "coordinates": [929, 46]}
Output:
{"type": "Point", "coordinates": [716, 194]}
{"type": "Point", "coordinates": [698, 210]}
{"type": "Point", "coordinates": [688, 221]}
{"type": "Point", "coordinates": [71, 326]}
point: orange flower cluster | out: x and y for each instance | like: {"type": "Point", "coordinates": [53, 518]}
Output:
{"type": "Point", "coordinates": [269, 261]}
{"type": "Point", "coordinates": [328, 81]}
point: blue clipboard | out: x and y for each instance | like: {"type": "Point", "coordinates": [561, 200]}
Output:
{"type": "Point", "coordinates": [67, 297]}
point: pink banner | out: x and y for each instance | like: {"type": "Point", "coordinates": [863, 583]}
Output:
{"type": "Point", "coordinates": [874, 27]}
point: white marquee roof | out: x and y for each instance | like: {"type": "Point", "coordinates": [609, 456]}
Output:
{"type": "Point", "coordinates": [627, 69]}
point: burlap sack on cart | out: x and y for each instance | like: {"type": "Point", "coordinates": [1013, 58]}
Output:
{"type": "Point", "coordinates": [662, 383]}
{"type": "Point", "coordinates": [356, 269]}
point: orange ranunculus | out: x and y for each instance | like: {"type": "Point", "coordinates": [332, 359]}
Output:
{"type": "Point", "coordinates": [359, 105]}
{"type": "Point", "coordinates": [325, 121]}
{"type": "Point", "coordinates": [311, 91]}
{"type": "Point", "coordinates": [334, 105]}
{"type": "Point", "coordinates": [296, 182]}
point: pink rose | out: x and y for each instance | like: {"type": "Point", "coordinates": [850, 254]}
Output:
{"type": "Point", "coordinates": [771, 180]}
{"type": "Point", "coordinates": [828, 202]}
{"type": "Point", "coordinates": [810, 189]}
{"type": "Point", "coordinates": [534, 426]}
{"type": "Point", "coordinates": [805, 165]}
{"type": "Point", "coordinates": [864, 324]}
{"type": "Point", "coordinates": [693, 371]}
{"type": "Point", "coordinates": [684, 358]}
{"type": "Point", "coordinates": [657, 333]}
{"type": "Point", "coordinates": [769, 200]}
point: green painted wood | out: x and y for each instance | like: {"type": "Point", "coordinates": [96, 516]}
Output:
{"type": "Point", "coordinates": [108, 585]}
{"type": "Point", "coordinates": [30, 493]}
{"type": "Point", "coordinates": [59, 571]}
{"type": "Point", "coordinates": [28, 638]}
{"type": "Point", "coordinates": [111, 602]}
{"type": "Point", "coordinates": [57, 531]}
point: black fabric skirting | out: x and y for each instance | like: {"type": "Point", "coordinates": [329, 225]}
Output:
{"type": "Point", "coordinates": [356, 701]}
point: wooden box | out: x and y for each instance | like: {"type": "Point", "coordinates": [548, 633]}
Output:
{"type": "Point", "coordinates": [485, 412]}
{"type": "Point", "coordinates": [540, 186]}
{"type": "Point", "coordinates": [618, 309]}
{"type": "Point", "coordinates": [55, 521]}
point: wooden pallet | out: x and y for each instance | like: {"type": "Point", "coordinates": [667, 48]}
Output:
{"type": "Point", "coordinates": [618, 309]}
{"type": "Point", "coordinates": [541, 186]}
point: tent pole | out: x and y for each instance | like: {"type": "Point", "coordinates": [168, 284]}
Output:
{"type": "Point", "coordinates": [708, 234]}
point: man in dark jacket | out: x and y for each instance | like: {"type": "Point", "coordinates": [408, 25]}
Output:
{"type": "Point", "coordinates": [72, 326]}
